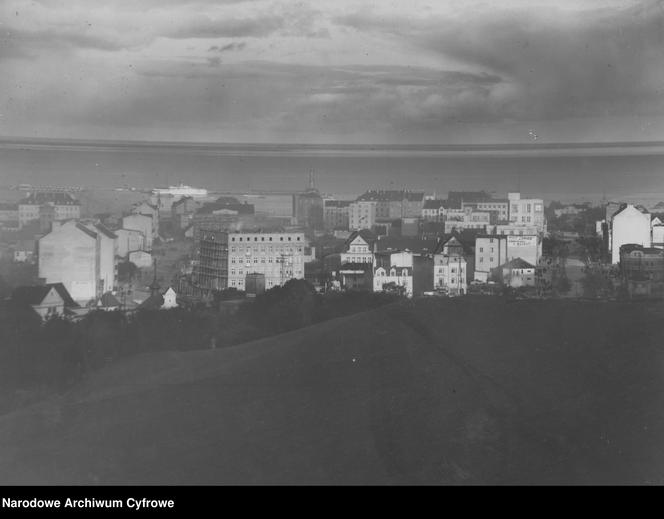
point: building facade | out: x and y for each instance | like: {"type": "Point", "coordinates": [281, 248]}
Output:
{"type": "Point", "coordinates": [225, 258]}
{"type": "Point", "coordinates": [79, 258]}
{"type": "Point", "coordinates": [362, 214]}
{"type": "Point", "coordinates": [336, 214]}
{"type": "Point", "coordinates": [629, 225]}
{"type": "Point", "coordinates": [490, 253]}
{"type": "Point", "coordinates": [142, 223]}
{"type": "Point", "coordinates": [527, 211]}
{"type": "Point", "coordinates": [64, 207]}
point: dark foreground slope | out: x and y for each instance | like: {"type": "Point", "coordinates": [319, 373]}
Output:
{"type": "Point", "coordinates": [459, 391]}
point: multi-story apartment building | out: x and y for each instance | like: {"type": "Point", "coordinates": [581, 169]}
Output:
{"type": "Point", "coordinates": [362, 214]}
{"type": "Point", "coordinates": [498, 209]}
{"type": "Point", "coordinates": [392, 205]}
{"type": "Point", "coordinates": [225, 258]}
{"type": "Point", "coordinates": [336, 214]}
{"type": "Point", "coordinates": [80, 257]}
{"type": "Point", "coordinates": [65, 207]}
{"type": "Point", "coordinates": [526, 211]}
{"type": "Point", "coordinates": [460, 219]}
{"type": "Point", "coordinates": [490, 253]}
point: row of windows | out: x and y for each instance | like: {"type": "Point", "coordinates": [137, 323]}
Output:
{"type": "Point", "coordinates": [264, 249]}
{"type": "Point", "coordinates": [269, 238]}
{"type": "Point", "coordinates": [270, 259]}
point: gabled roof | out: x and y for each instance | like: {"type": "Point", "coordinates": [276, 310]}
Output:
{"type": "Point", "coordinates": [105, 231]}
{"type": "Point", "coordinates": [87, 231]}
{"type": "Point", "coordinates": [518, 263]}
{"type": "Point", "coordinates": [467, 246]}
{"type": "Point", "coordinates": [624, 206]}
{"type": "Point", "coordinates": [108, 300]}
{"type": "Point", "coordinates": [365, 234]}
{"type": "Point", "coordinates": [34, 295]}
{"type": "Point", "coordinates": [154, 302]}
{"type": "Point", "coordinates": [436, 204]}
{"type": "Point", "coordinates": [46, 197]}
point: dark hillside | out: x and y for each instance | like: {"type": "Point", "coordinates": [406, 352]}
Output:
{"type": "Point", "coordinates": [435, 391]}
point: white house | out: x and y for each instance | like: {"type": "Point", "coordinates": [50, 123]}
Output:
{"type": "Point", "coordinates": [394, 271]}
{"type": "Point", "coordinates": [518, 273]}
{"type": "Point", "coordinates": [359, 248]}
{"type": "Point", "coordinates": [170, 299]}
{"type": "Point", "coordinates": [449, 273]}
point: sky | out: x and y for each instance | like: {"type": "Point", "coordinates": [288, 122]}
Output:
{"type": "Point", "coordinates": [338, 72]}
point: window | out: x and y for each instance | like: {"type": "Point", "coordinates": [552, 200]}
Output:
{"type": "Point", "coordinates": [481, 249]}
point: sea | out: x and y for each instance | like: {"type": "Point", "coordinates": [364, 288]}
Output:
{"type": "Point", "coordinates": [565, 172]}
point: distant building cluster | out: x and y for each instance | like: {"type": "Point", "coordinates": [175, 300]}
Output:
{"type": "Point", "coordinates": [401, 241]}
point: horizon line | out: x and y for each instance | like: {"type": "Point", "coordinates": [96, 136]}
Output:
{"type": "Point", "coordinates": [495, 146]}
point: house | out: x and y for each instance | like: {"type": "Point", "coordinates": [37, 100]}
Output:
{"type": "Point", "coordinates": [48, 300]}
{"type": "Point", "coordinates": [159, 300]}
{"type": "Point", "coordinates": [641, 262]}
{"type": "Point", "coordinates": [516, 273]}
{"type": "Point", "coordinates": [359, 247]}
{"type": "Point", "coordinates": [393, 272]}
{"type": "Point", "coordinates": [182, 210]}
{"type": "Point", "coordinates": [629, 225]}
{"type": "Point", "coordinates": [457, 245]}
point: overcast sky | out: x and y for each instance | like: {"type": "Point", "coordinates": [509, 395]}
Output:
{"type": "Point", "coordinates": [342, 71]}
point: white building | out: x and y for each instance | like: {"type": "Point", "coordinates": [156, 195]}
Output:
{"type": "Point", "coordinates": [490, 253]}
{"type": "Point", "coordinates": [361, 215]}
{"type": "Point", "coordinates": [518, 273]}
{"type": "Point", "coordinates": [460, 219]}
{"type": "Point", "coordinates": [527, 247]}
{"type": "Point", "coordinates": [631, 224]}
{"type": "Point", "coordinates": [527, 211]}
{"type": "Point", "coordinates": [359, 248]}
{"type": "Point", "coordinates": [657, 234]}
{"type": "Point", "coordinates": [394, 272]}
{"type": "Point", "coordinates": [79, 258]}
{"type": "Point", "coordinates": [170, 299]}
{"type": "Point", "coordinates": [449, 273]}
{"type": "Point", "coordinates": [279, 256]}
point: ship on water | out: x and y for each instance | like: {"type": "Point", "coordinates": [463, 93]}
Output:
{"type": "Point", "coordinates": [181, 190]}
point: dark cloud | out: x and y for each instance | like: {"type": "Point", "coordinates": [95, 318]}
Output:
{"type": "Point", "coordinates": [554, 63]}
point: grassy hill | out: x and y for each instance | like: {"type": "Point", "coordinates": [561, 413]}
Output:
{"type": "Point", "coordinates": [435, 391]}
